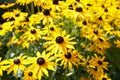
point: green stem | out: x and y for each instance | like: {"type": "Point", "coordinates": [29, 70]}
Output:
{"type": "Point", "coordinates": [32, 8]}
{"type": "Point", "coordinates": [66, 71]}
{"type": "Point", "coordinates": [38, 8]}
{"type": "Point", "coordinates": [27, 9]}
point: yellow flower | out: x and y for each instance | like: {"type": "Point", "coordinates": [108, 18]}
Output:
{"type": "Point", "coordinates": [117, 43]}
{"type": "Point", "coordinates": [103, 77]}
{"type": "Point", "coordinates": [72, 57]}
{"type": "Point", "coordinates": [29, 75]}
{"type": "Point", "coordinates": [99, 45]}
{"type": "Point", "coordinates": [0, 43]}
{"type": "Point", "coordinates": [100, 63]}
{"type": "Point", "coordinates": [88, 63]}
{"type": "Point", "coordinates": [15, 64]}
{"type": "Point", "coordinates": [2, 67]}
{"type": "Point", "coordinates": [32, 34]}
{"type": "Point", "coordinates": [47, 16]}
{"type": "Point", "coordinates": [24, 2]}
{"type": "Point", "coordinates": [5, 27]}
{"type": "Point", "coordinates": [41, 63]}
{"type": "Point", "coordinates": [50, 30]}
{"type": "Point", "coordinates": [7, 5]}
{"type": "Point", "coordinates": [59, 42]}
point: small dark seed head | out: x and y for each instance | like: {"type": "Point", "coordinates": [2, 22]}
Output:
{"type": "Point", "coordinates": [17, 15]}
{"type": "Point", "coordinates": [87, 63]}
{"type": "Point", "coordinates": [117, 8]}
{"type": "Point", "coordinates": [100, 62]}
{"type": "Point", "coordinates": [59, 39]}
{"type": "Point", "coordinates": [30, 73]}
{"type": "Point", "coordinates": [17, 61]}
{"type": "Point", "coordinates": [101, 40]}
{"type": "Point", "coordinates": [104, 79]}
{"type": "Point", "coordinates": [26, 19]}
{"type": "Point", "coordinates": [51, 28]}
{"type": "Point", "coordinates": [11, 19]}
{"type": "Point", "coordinates": [84, 23]}
{"type": "Point", "coordinates": [75, 3]}
{"type": "Point", "coordinates": [70, 7]}
{"type": "Point", "coordinates": [46, 12]}
{"type": "Point", "coordinates": [40, 61]}
{"type": "Point", "coordinates": [100, 18]}
{"type": "Point", "coordinates": [55, 2]}
{"type": "Point", "coordinates": [105, 10]}
{"type": "Point", "coordinates": [1, 28]}
{"type": "Point", "coordinates": [103, 6]}
{"type": "Point", "coordinates": [20, 28]}
{"type": "Point", "coordinates": [95, 31]}
{"type": "Point", "coordinates": [78, 0]}
{"type": "Point", "coordinates": [78, 9]}
{"type": "Point", "coordinates": [33, 31]}
{"type": "Point", "coordinates": [89, 4]}
{"type": "Point", "coordinates": [68, 55]}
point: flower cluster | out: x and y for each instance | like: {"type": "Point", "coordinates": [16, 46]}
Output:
{"type": "Point", "coordinates": [66, 34]}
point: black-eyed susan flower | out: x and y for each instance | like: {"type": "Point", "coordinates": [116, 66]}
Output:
{"type": "Point", "coordinates": [7, 5]}
{"type": "Point", "coordinates": [50, 30]}
{"type": "Point", "coordinates": [94, 72]}
{"type": "Point", "coordinates": [47, 16]}
{"type": "Point", "coordinates": [41, 63]}
{"type": "Point", "coordinates": [103, 77]}
{"type": "Point", "coordinates": [100, 63]}
{"type": "Point", "coordinates": [32, 34]}
{"type": "Point", "coordinates": [59, 42]}
{"type": "Point", "coordinates": [6, 27]}
{"type": "Point", "coordinates": [72, 57]}
{"type": "Point", "coordinates": [29, 75]}
{"type": "Point", "coordinates": [2, 67]}
{"type": "Point", "coordinates": [99, 45]}
{"type": "Point", "coordinates": [15, 64]}
{"type": "Point", "coordinates": [24, 2]}
{"type": "Point", "coordinates": [117, 43]}
{"type": "Point", "coordinates": [88, 63]}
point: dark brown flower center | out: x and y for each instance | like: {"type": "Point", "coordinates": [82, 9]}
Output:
{"type": "Point", "coordinates": [84, 23]}
{"type": "Point", "coordinates": [46, 12]}
{"type": "Point", "coordinates": [95, 31]}
{"type": "Point", "coordinates": [88, 4]}
{"type": "Point", "coordinates": [33, 31]}
{"type": "Point", "coordinates": [68, 55]}
{"type": "Point", "coordinates": [11, 19]}
{"type": "Point", "coordinates": [101, 40]}
{"type": "Point", "coordinates": [78, 9]}
{"type": "Point", "coordinates": [117, 8]}
{"type": "Point", "coordinates": [59, 39]}
{"type": "Point", "coordinates": [102, 6]}
{"type": "Point", "coordinates": [55, 2]}
{"type": "Point", "coordinates": [17, 15]}
{"type": "Point", "coordinates": [17, 61]}
{"type": "Point", "coordinates": [100, 62]}
{"type": "Point", "coordinates": [70, 7]}
{"type": "Point", "coordinates": [20, 28]}
{"type": "Point", "coordinates": [1, 28]}
{"type": "Point", "coordinates": [100, 18]}
{"type": "Point", "coordinates": [87, 63]}
{"type": "Point", "coordinates": [104, 79]}
{"type": "Point", "coordinates": [51, 28]}
{"type": "Point", "coordinates": [78, 0]}
{"type": "Point", "coordinates": [30, 73]}
{"type": "Point", "coordinates": [40, 61]}
{"type": "Point", "coordinates": [105, 10]}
